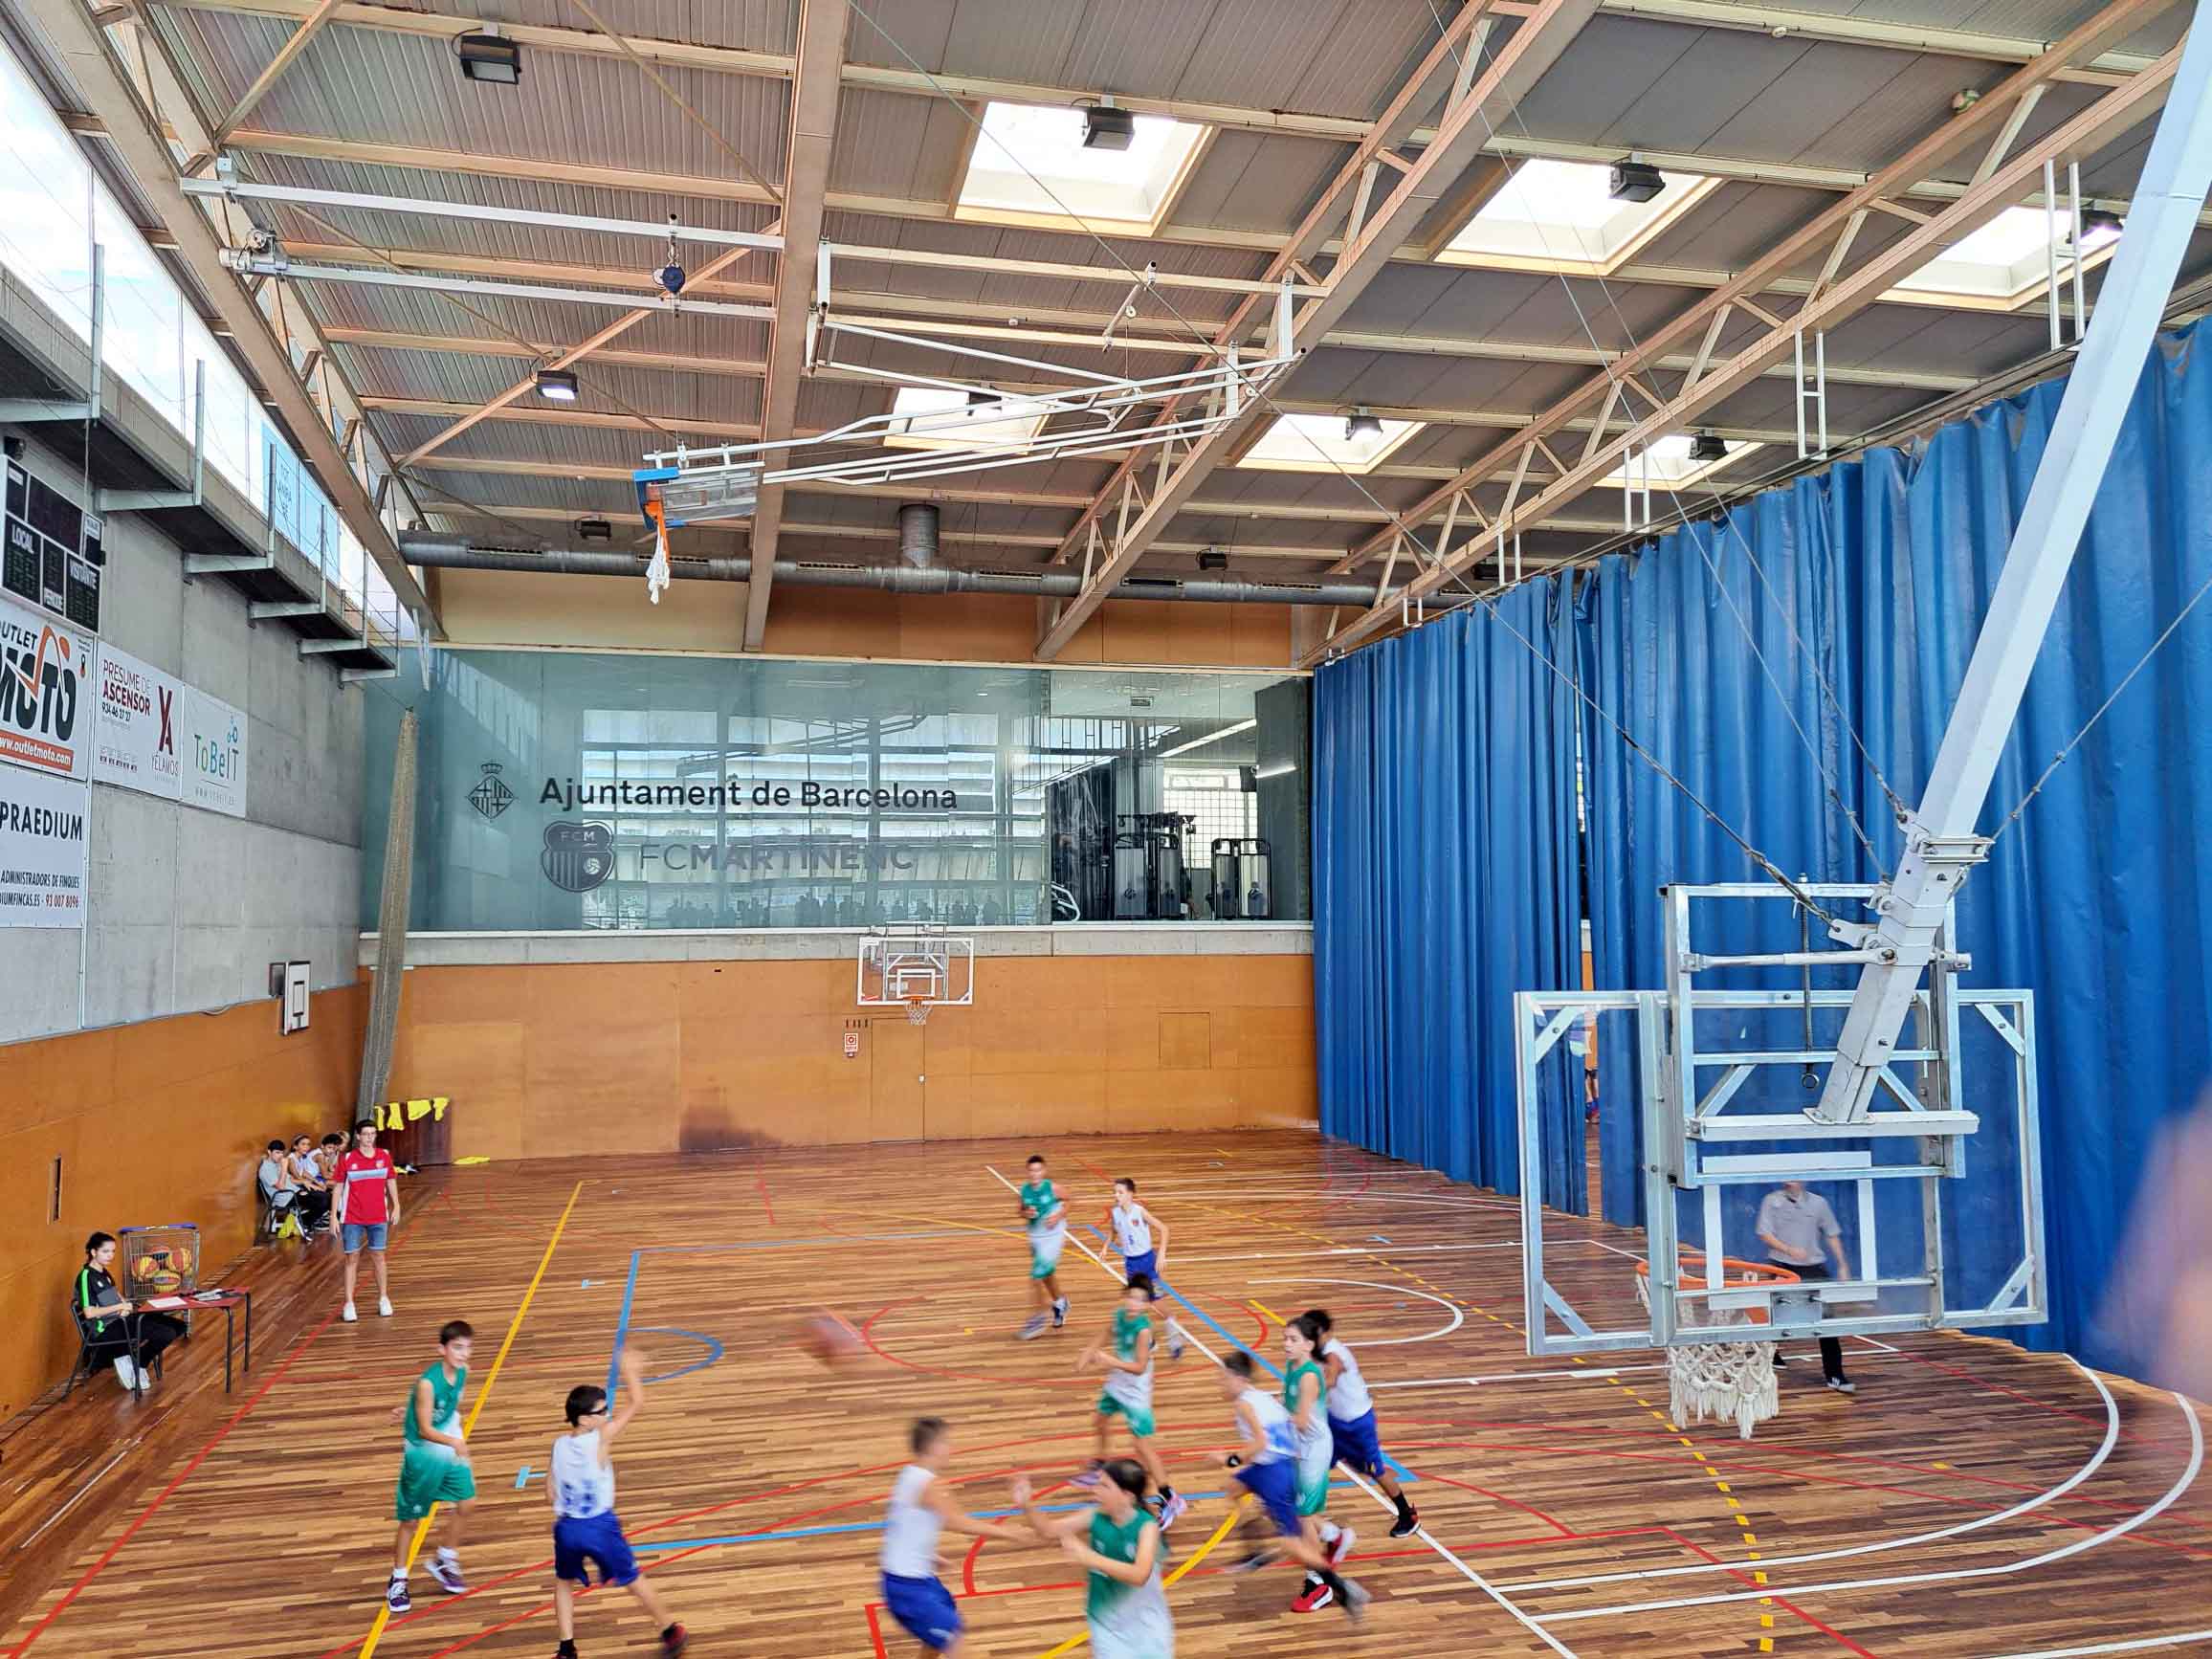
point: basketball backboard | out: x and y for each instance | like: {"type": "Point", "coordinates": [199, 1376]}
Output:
{"type": "Point", "coordinates": [915, 969]}
{"type": "Point", "coordinates": [1937, 1193]}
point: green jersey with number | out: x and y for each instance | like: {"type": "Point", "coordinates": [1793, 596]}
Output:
{"type": "Point", "coordinates": [1127, 1621]}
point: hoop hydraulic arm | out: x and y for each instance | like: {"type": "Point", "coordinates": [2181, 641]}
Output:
{"type": "Point", "coordinates": [1942, 844]}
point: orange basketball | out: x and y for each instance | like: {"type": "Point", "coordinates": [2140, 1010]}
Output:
{"type": "Point", "coordinates": [830, 1341]}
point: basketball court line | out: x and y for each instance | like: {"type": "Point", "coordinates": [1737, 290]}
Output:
{"type": "Point", "coordinates": [2118, 1529]}
{"type": "Point", "coordinates": [1458, 1316]}
{"type": "Point", "coordinates": [2141, 1644]}
{"type": "Point", "coordinates": [491, 1377]}
{"type": "Point", "coordinates": [1421, 1533]}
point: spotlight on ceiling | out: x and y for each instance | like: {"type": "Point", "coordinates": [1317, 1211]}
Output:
{"type": "Point", "coordinates": [2100, 229]}
{"type": "Point", "coordinates": [490, 57]}
{"type": "Point", "coordinates": [1635, 181]}
{"type": "Point", "coordinates": [1107, 128]}
{"type": "Point", "coordinates": [1705, 447]}
{"type": "Point", "coordinates": [557, 384]}
{"type": "Point", "coordinates": [1213, 559]}
{"type": "Point", "coordinates": [594, 530]}
{"type": "Point", "coordinates": [1361, 424]}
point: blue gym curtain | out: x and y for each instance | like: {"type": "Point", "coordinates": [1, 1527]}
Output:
{"type": "Point", "coordinates": [2099, 898]}
{"type": "Point", "coordinates": [1444, 882]}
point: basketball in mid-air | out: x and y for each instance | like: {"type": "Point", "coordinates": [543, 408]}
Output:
{"type": "Point", "coordinates": [831, 1341]}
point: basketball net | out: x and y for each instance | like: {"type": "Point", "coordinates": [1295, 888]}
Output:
{"type": "Point", "coordinates": [1720, 1380]}
{"type": "Point", "coordinates": [657, 568]}
{"type": "Point", "coordinates": [918, 1008]}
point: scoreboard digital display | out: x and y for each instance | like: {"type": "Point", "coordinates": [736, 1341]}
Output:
{"type": "Point", "coordinates": [51, 555]}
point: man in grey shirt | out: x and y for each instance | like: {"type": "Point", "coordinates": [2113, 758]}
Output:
{"type": "Point", "coordinates": [1799, 1232]}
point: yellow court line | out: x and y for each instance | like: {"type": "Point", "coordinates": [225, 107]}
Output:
{"type": "Point", "coordinates": [423, 1526]}
{"type": "Point", "coordinates": [1262, 1308]}
{"type": "Point", "coordinates": [1197, 1556]}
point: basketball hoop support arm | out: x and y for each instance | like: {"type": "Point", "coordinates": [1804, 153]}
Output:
{"type": "Point", "coordinates": [1941, 842]}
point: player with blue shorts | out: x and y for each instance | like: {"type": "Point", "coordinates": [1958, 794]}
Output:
{"type": "Point", "coordinates": [1359, 1444]}
{"type": "Point", "coordinates": [1141, 1254]}
{"type": "Point", "coordinates": [1266, 1462]}
{"type": "Point", "coordinates": [918, 1511]}
{"type": "Point", "coordinates": [586, 1532]}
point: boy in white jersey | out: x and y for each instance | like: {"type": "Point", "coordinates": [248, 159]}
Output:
{"type": "Point", "coordinates": [1141, 1254]}
{"type": "Point", "coordinates": [580, 1480]}
{"type": "Point", "coordinates": [1125, 1356]}
{"type": "Point", "coordinates": [1047, 1219]}
{"type": "Point", "coordinates": [1266, 1462]}
{"type": "Point", "coordinates": [1359, 1446]}
{"type": "Point", "coordinates": [917, 1512]}
{"type": "Point", "coordinates": [1116, 1541]}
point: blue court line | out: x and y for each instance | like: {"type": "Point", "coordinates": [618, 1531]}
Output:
{"type": "Point", "coordinates": [713, 1347]}
{"type": "Point", "coordinates": [876, 1526]}
{"type": "Point", "coordinates": [522, 1479]}
{"type": "Point", "coordinates": [786, 1244]}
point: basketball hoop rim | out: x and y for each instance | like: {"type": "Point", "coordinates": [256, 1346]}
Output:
{"type": "Point", "coordinates": [1737, 1274]}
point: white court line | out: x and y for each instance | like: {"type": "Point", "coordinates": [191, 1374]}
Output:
{"type": "Point", "coordinates": [2049, 1495]}
{"type": "Point", "coordinates": [1458, 1319]}
{"type": "Point", "coordinates": [2118, 1529]}
{"type": "Point", "coordinates": [2135, 1647]}
{"type": "Point", "coordinates": [1421, 1533]}
{"type": "Point", "coordinates": [1360, 1251]}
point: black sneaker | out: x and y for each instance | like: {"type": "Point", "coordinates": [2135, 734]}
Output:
{"type": "Point", "coordinates": [675, 1639]}
{"type": "Point", "coordinates": [1252, 1562]}
{"type": "Point", "coordinates": [1059, 1312]}
{"type": "Point", "coordinates": [396, 1598]}
{"type": "Point", "coordinates": [1405, 1524]}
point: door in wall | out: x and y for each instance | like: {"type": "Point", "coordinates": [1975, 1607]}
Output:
{"type": "Point", "coordinates": [895, 1053]}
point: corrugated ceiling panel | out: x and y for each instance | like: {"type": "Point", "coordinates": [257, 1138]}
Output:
{"type": "Point", "coordinates": [1248, 182]}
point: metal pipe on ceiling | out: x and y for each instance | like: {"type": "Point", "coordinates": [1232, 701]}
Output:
{"type": "Point", "coordinates": [459, 553]}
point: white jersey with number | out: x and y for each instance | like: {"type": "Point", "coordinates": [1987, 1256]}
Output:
{"type": "Point", "coordinates": [910, 1527]}
{"type": "Point", "coordinates": [1276, 1428]}
{"type": "Point", "coordinates": [1348, 1397]}
{"type": "Point", "coordinates": [1132, 1231]}
{"type": "Point", "coordinates": [582, 1480]}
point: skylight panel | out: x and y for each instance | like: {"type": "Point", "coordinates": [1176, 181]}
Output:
{"type": "Point", "coordinates": [947, 418]}
{"type": "Point", "coordinates": [1030, 164]}
{"type": "Point", "coordinates": [1554, 216]}
{"type": "Point", "coordinates": [2004, 262]}
{"type": "Point", "coordinates": [1317, 443]}
{"type": "Point", "coordinates": [1669, 465]}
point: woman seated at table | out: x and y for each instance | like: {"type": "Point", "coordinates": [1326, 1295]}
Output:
{"type": "Point", "coordinates": [132, 1341]}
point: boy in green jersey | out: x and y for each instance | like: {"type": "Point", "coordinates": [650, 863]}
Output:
{"type": "Point", "coordinates": [434, 1467]}
{"type": "Point", "coordinates": [1117, 1542]}
{"type": "Point", "coordinates": [1126, 1356]}
{"type": "Point", "coordinates": [1047, 1218]}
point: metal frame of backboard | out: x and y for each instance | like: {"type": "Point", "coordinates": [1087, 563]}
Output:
{"type": "Point", "coordinates": [899, 966]}
{"type": "Point", "coordinates": [1687, 1133]}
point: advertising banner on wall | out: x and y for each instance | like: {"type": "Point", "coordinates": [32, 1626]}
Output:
{"type": "Point", "coordinates": [45, 692]}
{"type": "Point", "coordinates": [214, 754]}
{"type": "Point", "coordinates": [137, 723]}
{"type": "Point", "coordinates": [42, 839]}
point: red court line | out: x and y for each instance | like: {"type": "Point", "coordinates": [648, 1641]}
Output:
{"type": "Point", "coordinates": [1549, 1520]}
{"type": "Point", "coordinates": [1780, 1600]}
{"type": "Point", "coordinates": [162, 1496]}
{"type": "Point", "coordinates": [868, 1336]}
{"type": "Point", "coordinates": [876, 1634]}
{"type": "Point", "coordinates": [760, 1176]}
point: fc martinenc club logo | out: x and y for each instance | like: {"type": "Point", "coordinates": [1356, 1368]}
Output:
{"type": "Point", "coordinates": [577, 856]}
{"type": "Point", "coordinates": [491, 796]}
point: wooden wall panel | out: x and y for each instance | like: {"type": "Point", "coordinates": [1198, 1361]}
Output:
{"type": "Point", "coordinates": [160, 1121]}
{"type": "Point", "coordinates": [553, 1060]}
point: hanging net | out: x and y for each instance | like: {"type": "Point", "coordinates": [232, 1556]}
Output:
{"type": "Point", "coordinates": [392, 919]}
{"type": "Point", "coordinates": [1722, 1380]}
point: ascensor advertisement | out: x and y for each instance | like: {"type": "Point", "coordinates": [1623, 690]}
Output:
{"type": "Point", "coordinates": [136, 728]}
{"type": "Point", "coordinates": [45, 693]}
{"type": "Point", "coordinates": [42, 839]}
{"type": "Point", "coordinates": [214, 754]}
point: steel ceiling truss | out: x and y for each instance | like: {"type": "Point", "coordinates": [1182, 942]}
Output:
{"type": "Point", "coordinates": [1635, 416]}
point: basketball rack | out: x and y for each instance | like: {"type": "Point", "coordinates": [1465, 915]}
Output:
{"type": "Point", "coordinates": [988, 426]}
{"type": "Point", "coordinates": [915, 969]}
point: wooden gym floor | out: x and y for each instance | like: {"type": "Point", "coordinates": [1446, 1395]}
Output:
{"type": "Point", "coordinates": [1972, 1500]}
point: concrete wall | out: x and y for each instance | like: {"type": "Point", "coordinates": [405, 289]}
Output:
{"type": "Point", "coordinates": [187, 908]}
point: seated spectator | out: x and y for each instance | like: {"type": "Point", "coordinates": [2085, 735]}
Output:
{"type": "Point", "coordinates": [279, 1190]}
{"type": "Point", "coordinates": [327, 1154]}
{"type": "Point", "coordinates": [314, 1200]}
{"type": "Point", "coordinates": [134, 1342]}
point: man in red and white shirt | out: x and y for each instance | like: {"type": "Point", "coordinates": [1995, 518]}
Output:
{"type": "Point", "coordinates": [367, 1207]}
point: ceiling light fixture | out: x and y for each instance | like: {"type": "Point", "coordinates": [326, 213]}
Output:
{"type": "Point", "coordinates": [489, 57]}
{"type": "Point", "coordinates": [2100, 229]}
{"type": "Point", "coordinates": [1635, 181]}
{"type": "Point", "coordinates": [1107, 128]}
{"type": "Point", "coordinates": [559, 384]}
{"type": "Point", "coordinates": [1362, 424]}
{"type": "Point", "coordinates": [1213, 559]}
{"type": "Point", "coordinates": [1706, 447]}
{"type": "Point", "coordinates": [594, 530]}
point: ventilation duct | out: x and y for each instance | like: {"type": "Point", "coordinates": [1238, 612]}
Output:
{"type": "Point", "coordinates": [918, 535]}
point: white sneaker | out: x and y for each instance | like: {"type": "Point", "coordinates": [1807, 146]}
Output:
{"type": "Point", "coordinates": [348, 1315]}
{"type": "Point", "coordinates": [126, 1371]}
{"type": "Point", "coordinates": [384, 1306]}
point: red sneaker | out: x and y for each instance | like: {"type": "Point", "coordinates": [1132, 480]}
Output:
{"type": "Point", "coordinates": [1312, 1598]}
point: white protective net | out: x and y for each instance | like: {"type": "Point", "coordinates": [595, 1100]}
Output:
{"type": "Point", "coordinates": [1720, 1380]}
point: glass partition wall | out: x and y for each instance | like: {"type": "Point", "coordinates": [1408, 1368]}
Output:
{"type": "Point", "coordinates": [571, 790]}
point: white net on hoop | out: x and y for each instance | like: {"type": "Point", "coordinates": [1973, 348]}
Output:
{"type": "Point", "coordinates": [916, 1012]}
{"type": "Point", "coordinates": [1720, 1380]}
